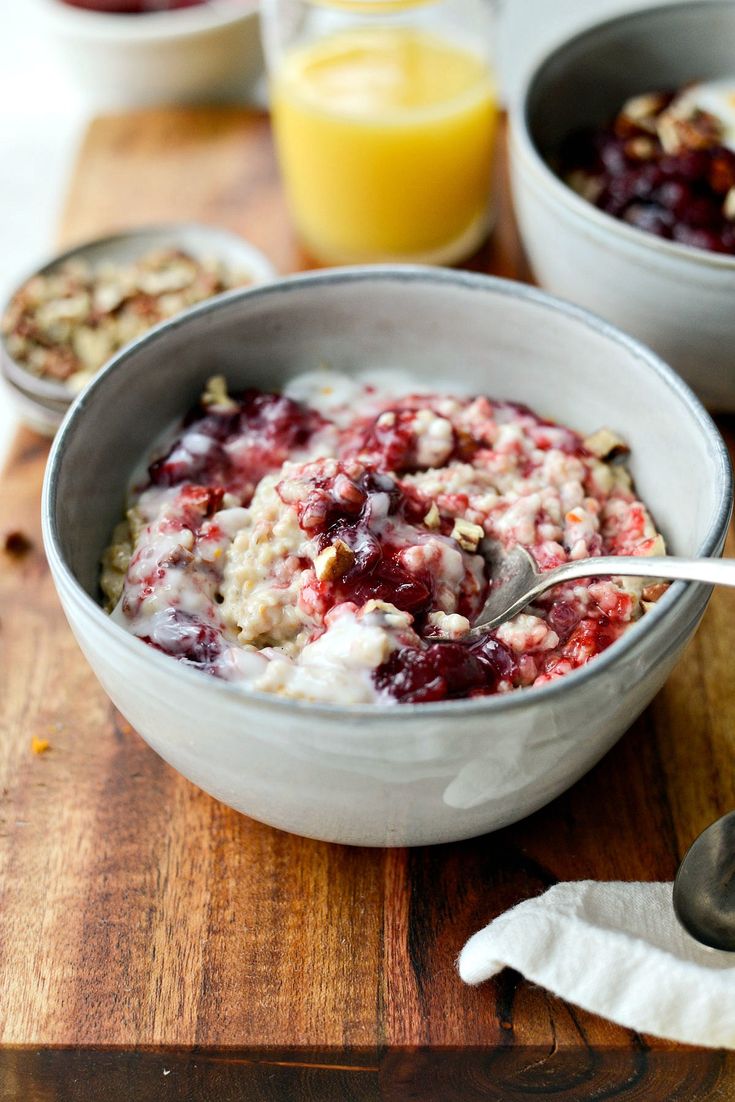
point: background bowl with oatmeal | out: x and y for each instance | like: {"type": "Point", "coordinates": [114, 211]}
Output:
{"type": "Point", "coordinates": [650, 259]}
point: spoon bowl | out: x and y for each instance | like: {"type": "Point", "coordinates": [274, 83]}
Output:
{"type": "Point", "coordinates": [704, 889]}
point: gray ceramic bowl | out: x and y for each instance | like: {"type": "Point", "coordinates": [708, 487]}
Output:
{"type": "Point", "coordinates": [677, 299]}
{"type": "Point", "coordinates": [382, 775]}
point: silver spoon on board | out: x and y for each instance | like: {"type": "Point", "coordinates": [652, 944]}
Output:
{"type": "Point", "coordinates": [704, 888]}
{"type": "Point", "coordinates": [517, 581]}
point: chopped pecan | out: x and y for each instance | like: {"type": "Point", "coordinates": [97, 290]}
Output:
{"type": "Point", "coordinates": [390, 616]}
{"type": "Point", "coordinates": [654, 591]}
{"type": "Point", "coordinates": [432, 518]}
{"type": "Point", "coordinates": [606, 445]}
{"type": "Point", "coordinates": [641, 148]}
{"type": "Point", "coordinates": [722, 172]}
{"type": "Point", "coordinates": [66, 323]}
{"type": "Point", "coordinates": [642, 110]}
{"type": "Point", "coordinates": [695, 130]}
{"type": "Point", "coordinates": [180, 556]}
{"type": "Point", "coordinates": [333, 561]}
{"type": "Point", "coordinates": [586, 185]}
{"type": "Point", "coordinates": [467, 534]}
{"type": "Point", "coordinates": [215, 394]}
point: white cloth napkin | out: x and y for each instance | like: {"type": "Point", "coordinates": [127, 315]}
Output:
{"type": "Point", "coordinates": [617, 950]}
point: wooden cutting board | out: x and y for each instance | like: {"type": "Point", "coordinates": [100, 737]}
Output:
{"type": "Point", "coordinates": [156, 944]}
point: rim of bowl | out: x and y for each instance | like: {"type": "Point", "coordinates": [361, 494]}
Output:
{"type": "Point", "coordinates": [582, 207]}
{"type": "Point", "coordinates": [149, 26]}
{"type": "Point", "coordinates": [388, 712]}
{"type": "Point", "coordinates": [38, 387]}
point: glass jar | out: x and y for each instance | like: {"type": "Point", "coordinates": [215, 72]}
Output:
{"type": "Point", "coordinates": [385, 115]}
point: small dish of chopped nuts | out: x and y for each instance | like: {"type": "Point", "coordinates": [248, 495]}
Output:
{"type": "Point", "coordinates": [66, 320]}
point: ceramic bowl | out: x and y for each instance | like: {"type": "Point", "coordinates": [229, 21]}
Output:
{"type": "Point", "coordinates": [41, 403]}
{"type": "Point", "coordinates": [402, 774]}
{"type": "Point", "coordinates": [204, 54]}
{"type": "Point", "coordinates": [675, 298]}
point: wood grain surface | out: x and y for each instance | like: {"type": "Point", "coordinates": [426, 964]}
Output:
{"type": "Point", "coordinates": [157, 944]}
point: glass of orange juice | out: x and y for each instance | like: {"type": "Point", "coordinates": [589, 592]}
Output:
{"type": "Point", "coordinates": [385, 114]}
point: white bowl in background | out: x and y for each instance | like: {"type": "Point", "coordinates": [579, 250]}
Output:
{"type": "Point", "coordinates": [677, 299]}
{"type": "Point", "coordinates": [386, 774]}
{"type": "Point", "coordinates": [205, 54]}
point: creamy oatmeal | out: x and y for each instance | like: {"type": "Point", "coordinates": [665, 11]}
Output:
{"type": "Point", "coordinates": [312, 543]}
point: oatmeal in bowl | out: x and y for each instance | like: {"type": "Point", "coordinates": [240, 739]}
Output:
{"type": "Point", "coordinates": [316, 543]}
{"type": "Point", "coordinates": [665, 164]}
{"type": "Point", "coordinates": [622, 165]}
{"type": "Point", "coordinates": [351, 540]}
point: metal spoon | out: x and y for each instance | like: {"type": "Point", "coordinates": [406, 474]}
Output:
{"type": "Point", "coordinates": [517, 581]}
{"type": "Point", "coordinates": [704, 889]}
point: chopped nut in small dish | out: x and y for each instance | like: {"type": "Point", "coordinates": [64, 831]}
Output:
{"type": "Point", "coordinates": [63, 325]}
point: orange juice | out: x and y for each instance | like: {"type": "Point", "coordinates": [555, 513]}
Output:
{"type": "Point", "coordinates": [385, 138]}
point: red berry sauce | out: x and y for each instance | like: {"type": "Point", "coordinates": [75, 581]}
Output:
{"type": "Point", "coordinates": [234, 448]}
{"type": "Point", "coordinates": [344, 506]}
{"type": "Point", "coordinates": [446, 671]}
{"type": "Point", "coordinates": [186, 638]}
{"type": "Point", "coordinates": [677, 195]}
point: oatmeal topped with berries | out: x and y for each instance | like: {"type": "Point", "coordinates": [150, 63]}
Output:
{"type": "Point", "coordinates": [313, 543]}
{"type": "Point", "coordinates": [665, 164]}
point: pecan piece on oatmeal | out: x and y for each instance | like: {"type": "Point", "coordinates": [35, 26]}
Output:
{"type": "Point", "coordinates": [640, 113]}
{"type": "Point", "coordinates": [695, 129]}
{"type": "Point", "coordinates": [728, 207]}
{"type": "Point", "coordinates": [467, 534]}
{"type": "Point", "coordinates": [654, 592]}
{"type": "Point", "coordinates": [606, 445]}
{"type": "Point", "coordinates": [333, 561]}
{"type": "Point", "coordinates": [215, 394]}
{"type": "Point", "coordinates": [432, 518]}
{"type": "Point", "coordinates": [388, 613]}
{"type": "Point", "coordinates": [589, 187]}
{"type": "Point", "coordinates": [722, 172]}
{"type": "Point", "coordinates": [640, 148]}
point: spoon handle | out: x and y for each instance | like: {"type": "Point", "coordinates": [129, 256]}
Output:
{"type": "Point", "coordinates": [529, 583]}
{"type": "Point", "coordinates": [712, 571]}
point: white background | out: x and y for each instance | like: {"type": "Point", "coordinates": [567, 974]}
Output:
{"type": "Point", "coordinates": [42, 116]}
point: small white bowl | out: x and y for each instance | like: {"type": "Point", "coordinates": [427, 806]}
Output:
{"type": "Point", "coordinates": [677, 299]}
{"type": "Point", "coordinates": [401, 774]}
{"type": "Point", "coordinates": [42, 403]}
{"type": "Point", "coordinates": [205, 54]}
